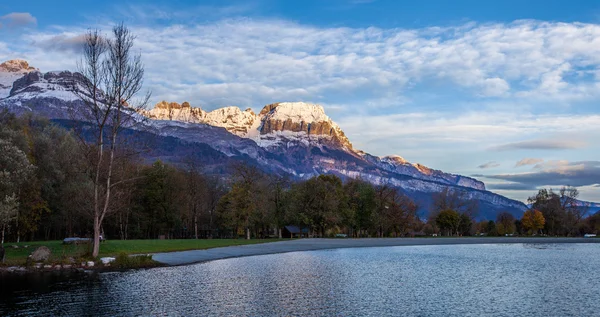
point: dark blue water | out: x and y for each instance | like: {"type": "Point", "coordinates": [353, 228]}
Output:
{"type": "Point", "coordinates": [452, 280]}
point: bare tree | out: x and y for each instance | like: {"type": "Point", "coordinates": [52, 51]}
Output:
{"type": "Point", "coordinates": [276, 196]}
{"type": "Point", "coordinates": [574, 210]}
{"type": "Point", "coordinates": [454, 199]}
{"type": "Point", "coordinates": [113, 77]}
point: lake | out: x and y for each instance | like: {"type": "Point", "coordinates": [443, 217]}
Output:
{"type": "Point", "coordinates": [448, 280]}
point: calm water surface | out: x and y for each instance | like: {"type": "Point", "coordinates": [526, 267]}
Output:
{"type": "Point", "coordinates": [451, 280]}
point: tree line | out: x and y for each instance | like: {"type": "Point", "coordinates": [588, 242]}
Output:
{"type": "Point", "coordinates": [47, 190]}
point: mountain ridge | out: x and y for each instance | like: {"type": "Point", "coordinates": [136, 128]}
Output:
{"type": "Point", "coordinates": [292, 138]}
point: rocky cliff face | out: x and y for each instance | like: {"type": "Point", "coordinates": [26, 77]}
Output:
{"type": "Point", "coordinates": [275, 124]}
{"type": "Point", "coordinates": [45, 94]}
{"type": "Point", "coordinates": [231, 118]}
{"type": "Point", "coordinates": [301, 117]}
{"type": "Point", "coordinates": [177, 112]}
{"type": "Point", "coordinates": [15, 66]}
{"type": "Point", "coordinates": [50, 83]}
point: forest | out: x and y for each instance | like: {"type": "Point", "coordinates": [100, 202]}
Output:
{"type": "Point", "coordinates": [46, 193]}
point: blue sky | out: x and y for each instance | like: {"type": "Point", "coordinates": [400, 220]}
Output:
{"type": "Point", "coordinates": [507, 91]}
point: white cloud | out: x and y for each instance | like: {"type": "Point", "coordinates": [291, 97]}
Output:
{"type": "Point", "coordinates": [509, 82]}
{"type": "Point", "coordinates": [17, 20]}
{"type": "Point", "coordinates": [487, 165]}
{"type": "Point", "coordinates": [529, 60]}
{"type": "Point", "coordinates": [480, 128]}
{"type": "Point", "coordinates": [542, 144]}
{"type": "Point", "coordinates": [556, 173]}
{"type": "Point", "coordinates": [528, 161]}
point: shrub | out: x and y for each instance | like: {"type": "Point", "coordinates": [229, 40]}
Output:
{"type": "Point", "coordinates": [125, 261]}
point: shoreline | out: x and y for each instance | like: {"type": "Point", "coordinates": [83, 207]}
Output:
{"type": "Point", "coordinates": [196, 256]}
{"type": "Point", "coordinates": [180, 258]}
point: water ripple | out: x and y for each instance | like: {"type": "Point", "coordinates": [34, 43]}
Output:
{"type": "Point", "coordinates": [457, 280]}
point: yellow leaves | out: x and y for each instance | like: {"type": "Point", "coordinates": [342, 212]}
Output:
{"type": "Point", "coordinates": [533, 220]}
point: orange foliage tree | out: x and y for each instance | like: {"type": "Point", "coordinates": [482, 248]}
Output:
{"type": "Point", "coordinates": [533, 220]}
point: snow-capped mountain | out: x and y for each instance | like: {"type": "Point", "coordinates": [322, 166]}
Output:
{"type": "Point", "coordinates": [285, 125]}
{"type": "Point", "coordinates": [10, 71]}
{"type": "Point", "coordinates": [275, 125]}
{"type": "Point", "coordinates": [291, 138]}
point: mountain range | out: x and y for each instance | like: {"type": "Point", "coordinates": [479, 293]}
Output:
{"type": "Point", "coordinates": [289, 138]}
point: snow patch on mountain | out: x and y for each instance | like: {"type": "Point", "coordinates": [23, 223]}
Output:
{"type": "Point", "coordinates": [232, 118]}
{"type": "Point", "coordinates": [299, 112]}
{"type": "Point", "coordinates": [284, 139]}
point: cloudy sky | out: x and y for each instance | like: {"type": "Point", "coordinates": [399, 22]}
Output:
{"type": "Point", "coordinates": [505, 91]}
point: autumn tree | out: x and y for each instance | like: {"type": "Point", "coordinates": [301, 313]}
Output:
{"type": "Point", "coordinates": [505, 223]}
{"type": "Point", "coordinates": [561, 210]}
{"type": "Point", "coordinates": [548, 203]}
{"type": "Point", "coordinates": [533, 220]}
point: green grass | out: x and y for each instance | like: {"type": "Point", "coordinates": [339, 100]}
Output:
{"type": "Point", "coordinates": [61, 252]}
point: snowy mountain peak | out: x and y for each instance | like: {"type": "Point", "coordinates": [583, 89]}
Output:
{"type": "Point", "coordinates": [276, 124]}
{"type": "Point", "coordinates": [232, 118]}
{"type": "Point", "coordinates": [16, 66]}
{"type": "Point", "coordinates": [10, 71]}
{"type": "Point", "coordinates": [297, 112]}
{"type": "Point", "coordinates": [176, 112]}
{"type": "Point", "coordinates": [302, 118]}
{"type": "Point", "coordinates": [397, 159]}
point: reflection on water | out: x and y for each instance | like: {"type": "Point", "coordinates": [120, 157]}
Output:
{"type": "Point", "coordinates": [458, 280]}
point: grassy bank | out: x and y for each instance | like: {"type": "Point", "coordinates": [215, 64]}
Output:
{"type": "Point", "coordinates": [61, 252]}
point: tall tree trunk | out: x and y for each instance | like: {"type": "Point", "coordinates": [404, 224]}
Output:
{"type": "Point", "coordinates": [126, 224]}
{"type": "Point", "coordinates": [18, 229]}
{"type": "Point", "coordinates": [121, 227]}
{"type": "Point", "coordinates": [96, 245]}
{"type": "Point", "coordinates": [196, 226]}
{"type": "Point", "coordinates": [210, 225]}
